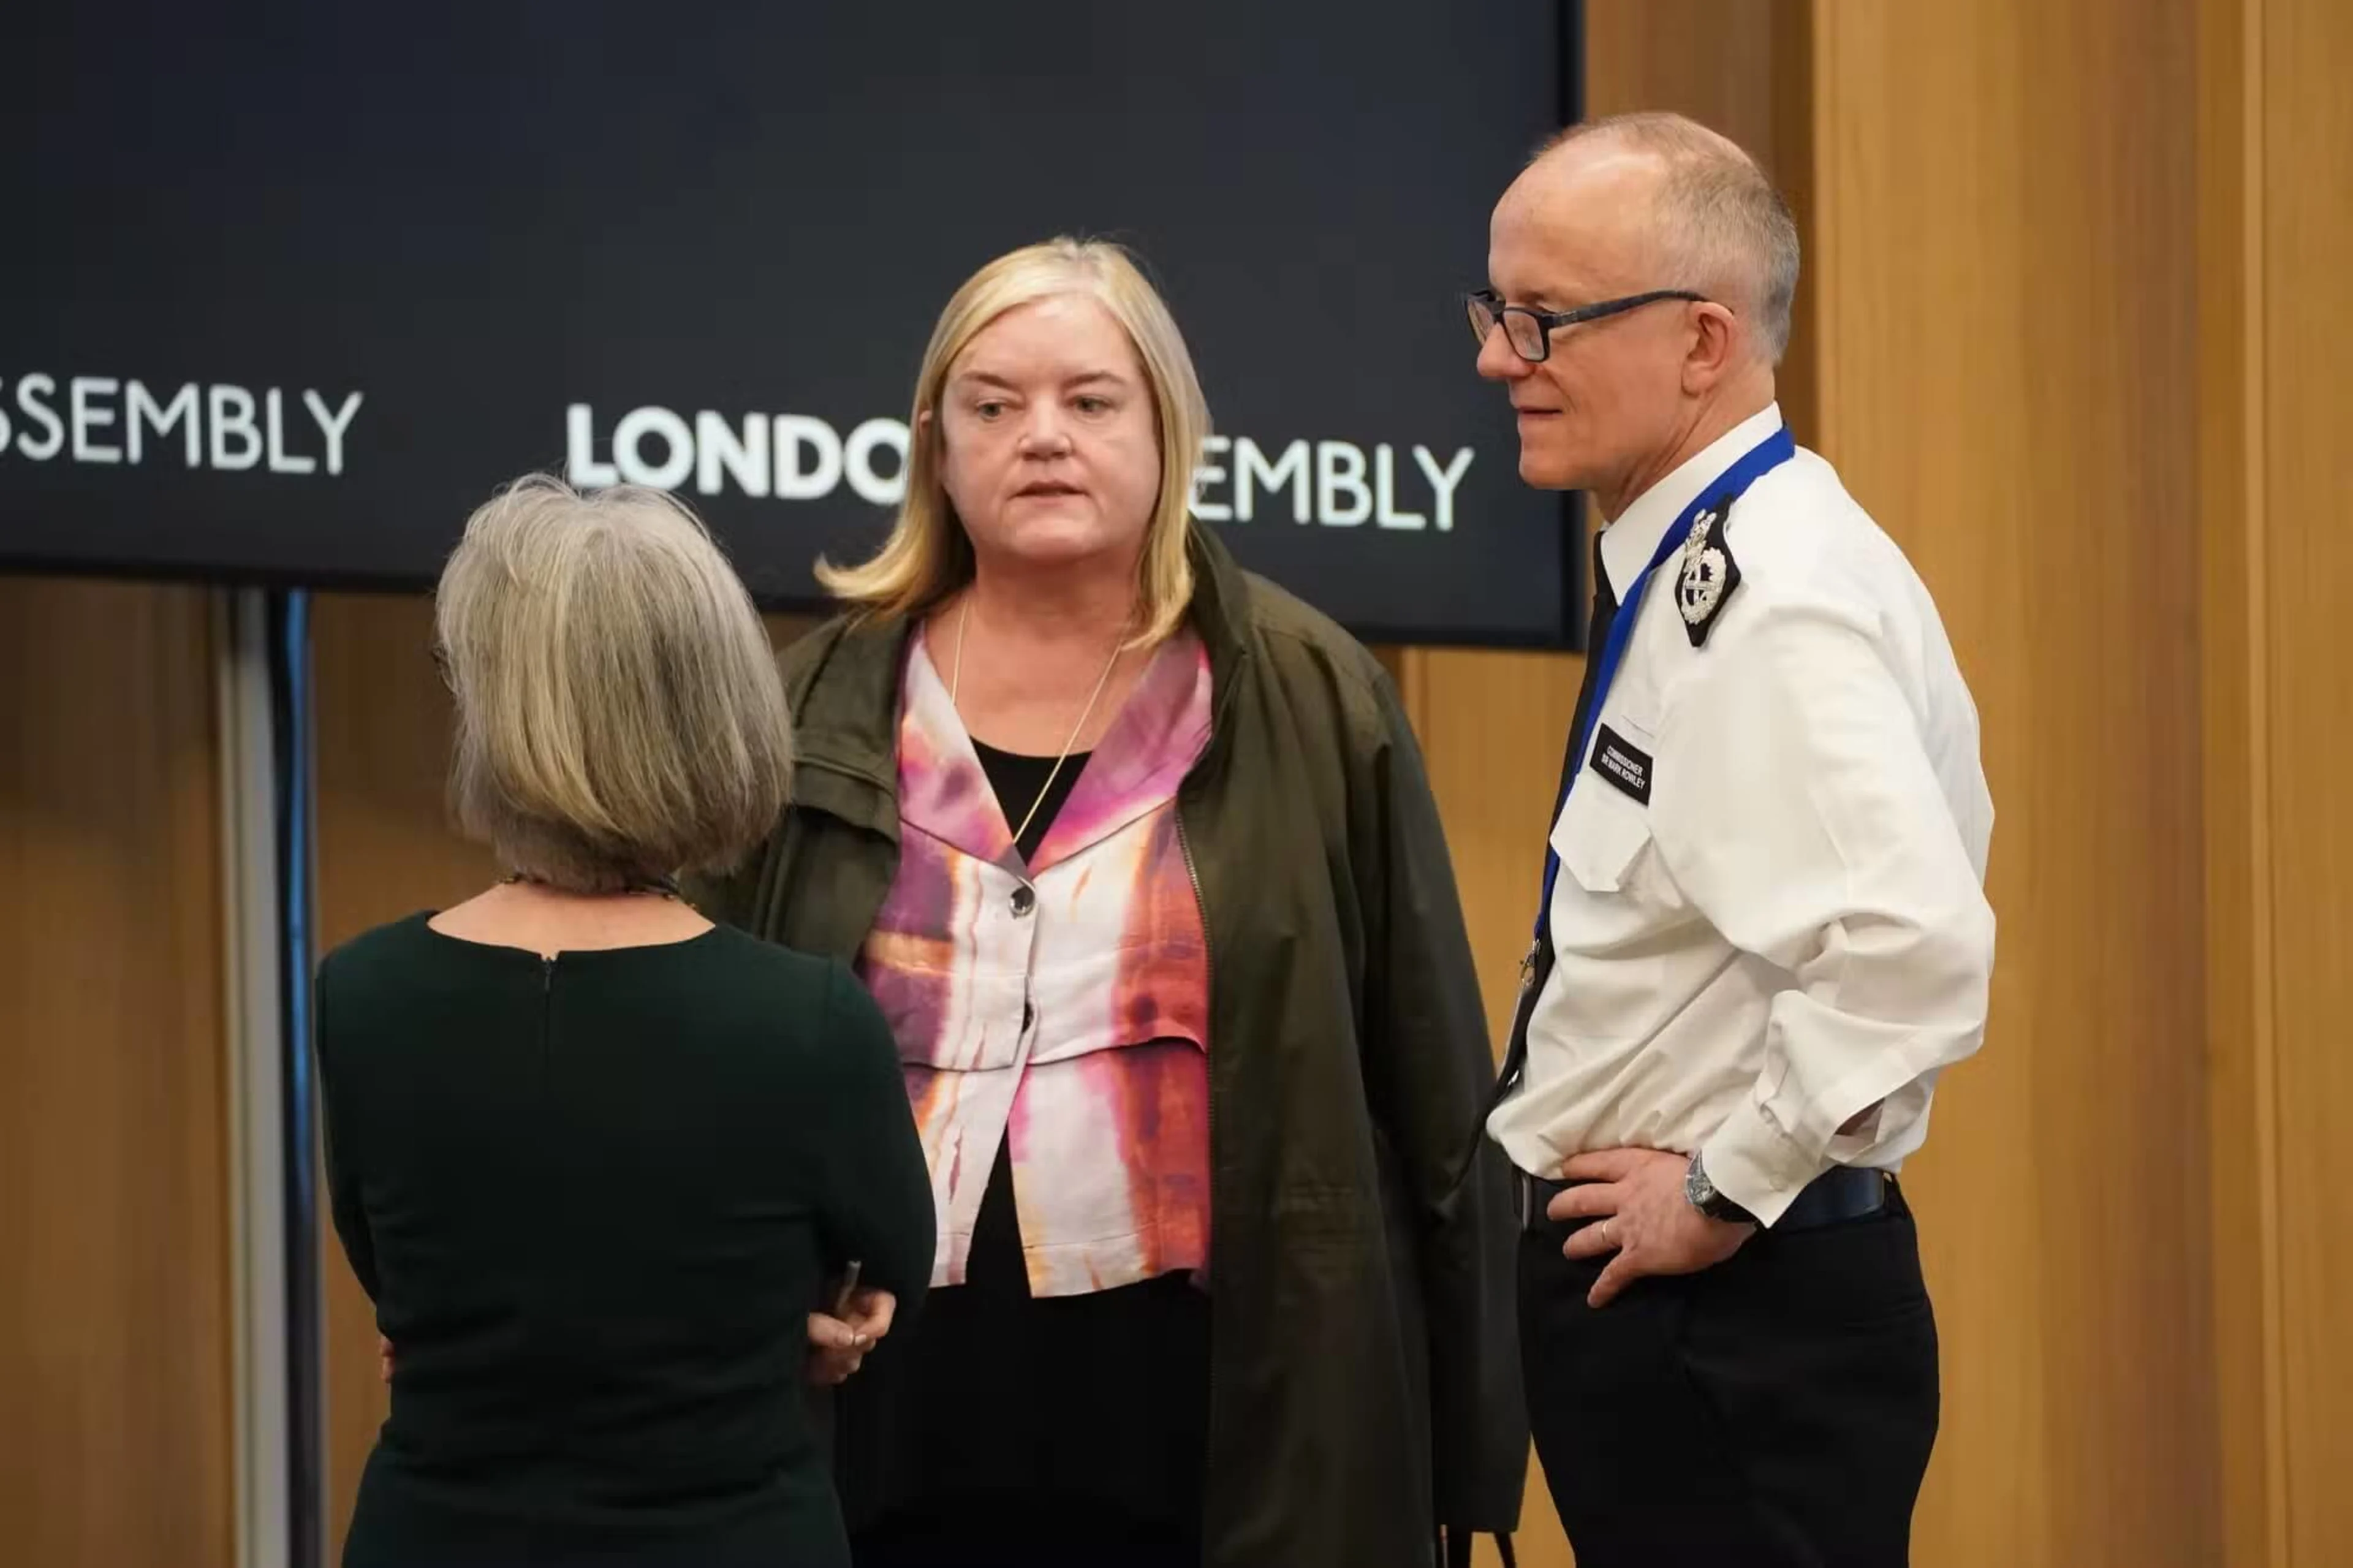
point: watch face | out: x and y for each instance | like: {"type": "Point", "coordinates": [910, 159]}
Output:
{"type": "Point", "coordinates": [1697, 1188]}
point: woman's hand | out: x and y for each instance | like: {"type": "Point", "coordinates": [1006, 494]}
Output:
{"type": "Point", "coordinates": [838, 1346]}
{"type": "Point", "coordinates": [384, 1359]}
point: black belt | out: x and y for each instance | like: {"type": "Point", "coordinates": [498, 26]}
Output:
{"type": "Point", "coordinates": [1840, 1194]}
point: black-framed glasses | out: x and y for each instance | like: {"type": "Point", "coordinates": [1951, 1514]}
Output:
{"type": "Point", "coordinates": [1529, 331]}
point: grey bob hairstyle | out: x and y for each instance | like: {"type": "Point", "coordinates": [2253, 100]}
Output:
{"type": "Point", "coordinates": [620, 719]}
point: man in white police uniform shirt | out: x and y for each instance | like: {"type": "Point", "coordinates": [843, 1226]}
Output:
{"type": "Point", "coordinates": [1764, 932]}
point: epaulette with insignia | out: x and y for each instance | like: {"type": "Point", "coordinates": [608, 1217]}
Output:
{"type": "Point", "coordinates": [1709, 574]}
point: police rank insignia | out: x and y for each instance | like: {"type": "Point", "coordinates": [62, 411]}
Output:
{"type": "Point", "coordinates": [1709, 574]}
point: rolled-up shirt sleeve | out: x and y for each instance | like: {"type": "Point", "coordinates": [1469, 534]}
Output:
{"type": "Point", "coordinates": [1805, 820]}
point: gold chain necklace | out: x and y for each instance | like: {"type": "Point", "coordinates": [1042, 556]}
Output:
{"type": "Point", "coordinates": [956, 684]}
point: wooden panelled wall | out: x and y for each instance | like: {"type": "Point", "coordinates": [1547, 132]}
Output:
{"type": "Point", "coordinates": [2003, 247]}
{"type": "Point", "coordinates": [116, 1409]}
{"type": "Point", "coordinates": [2275, 136]}
{"type": "Point", "coordinates": [2072, 329]}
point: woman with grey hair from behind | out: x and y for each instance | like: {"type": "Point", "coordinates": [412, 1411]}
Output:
{"type": "Point", "coordinates": [590, 1155]}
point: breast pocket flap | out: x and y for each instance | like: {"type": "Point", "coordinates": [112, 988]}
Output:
{"type": "Point", "coordinates": [1599, 836]}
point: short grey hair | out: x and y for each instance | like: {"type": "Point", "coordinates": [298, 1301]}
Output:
{"type": "Point", "coordinates": [1723, 229]}
{"type": "Point", "coordinates": [620, 715]}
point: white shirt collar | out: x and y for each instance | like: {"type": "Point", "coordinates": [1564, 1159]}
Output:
{"type": "Point", "coordinates": [1629, 541]}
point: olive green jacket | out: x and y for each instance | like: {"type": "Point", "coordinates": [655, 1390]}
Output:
{"type": "Point", "coordinates": [1364, 1386]}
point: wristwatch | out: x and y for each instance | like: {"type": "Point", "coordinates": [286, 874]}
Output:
{"type": "Point", "coordinates": [1703, 1196]}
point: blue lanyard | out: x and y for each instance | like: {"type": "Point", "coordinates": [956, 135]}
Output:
{"type": "Point", "coordinates": [1759, 460]}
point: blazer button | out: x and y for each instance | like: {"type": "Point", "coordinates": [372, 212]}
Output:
{"type": "Point", "coordinates": [1024, 900]}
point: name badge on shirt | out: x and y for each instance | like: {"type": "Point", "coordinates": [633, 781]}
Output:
{"type": "Point", "coordinates": [1622, 763]}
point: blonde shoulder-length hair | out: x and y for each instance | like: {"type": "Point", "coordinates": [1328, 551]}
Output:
{"type": "Point", "coordinates": [928, 556]}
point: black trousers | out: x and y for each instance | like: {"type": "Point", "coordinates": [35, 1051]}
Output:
{"type": "Point", "coordinates": [1774, 1411]}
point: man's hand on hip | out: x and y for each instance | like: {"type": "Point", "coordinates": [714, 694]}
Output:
{"type": "Point", "coordinates": [1635, 1198]}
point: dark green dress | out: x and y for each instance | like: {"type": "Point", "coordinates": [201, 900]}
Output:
{"type": "Point", "coordinates": [593, 1199]}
